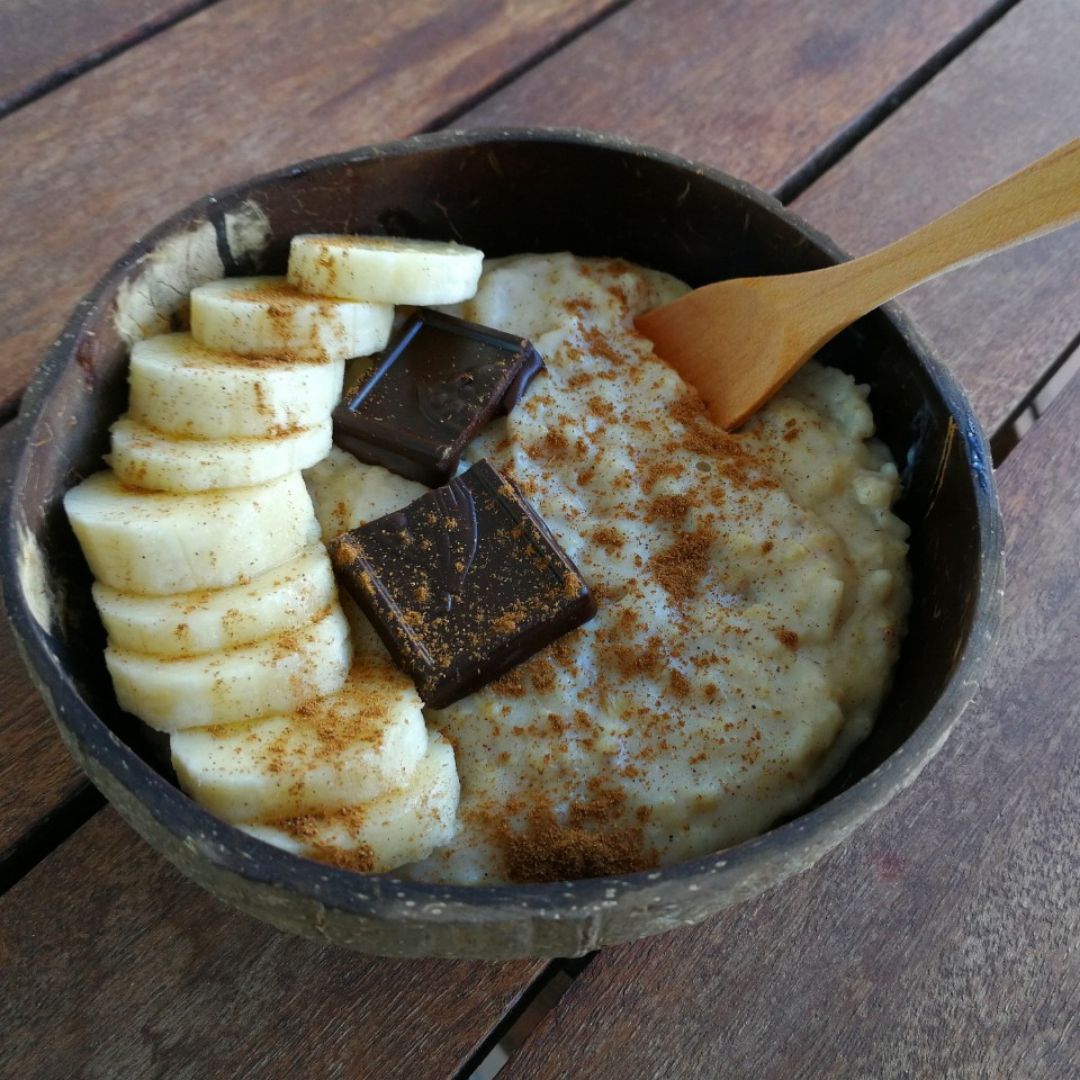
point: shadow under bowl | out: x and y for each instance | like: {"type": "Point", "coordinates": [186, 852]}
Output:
{"type": "Point", "coordinates": [505, 192]}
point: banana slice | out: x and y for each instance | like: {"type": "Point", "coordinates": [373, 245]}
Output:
{"type": "Point", "coordinates": [272, 676]}
{"type": "Point", "coordinates": [142, 457]}
{"type": "Point", "coordinates": [348, 748]}
{"type": "Point", "coordinates": [384, 269]}
{"type": "Point", "coordinates": [396, 829]}
{"type": "Point", "coordinates": [266, 316]}
{"type": "Point", "coordinates": [191, 623]}
{"type": "Point", "coordinates": [161, 543]}
{"type": "Point", "coordinates": [180, 388]}
{"type": "Point", "coordinates": [347, 493]}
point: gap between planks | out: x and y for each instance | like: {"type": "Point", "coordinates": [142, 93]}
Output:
{"type": "Point", "coordinates": [846, 141]}
{"type": "Point", "coordinates": [47, 834]}
{"type": "Point", "coordinates": [83, 64]}
{"type": "Point", "coordinates": [510, 1034]}
{"type": "Point", "coordinates": [1035, 402]}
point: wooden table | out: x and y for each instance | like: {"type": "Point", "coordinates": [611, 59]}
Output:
{"type": "Point", "coordinates": [944, 939]}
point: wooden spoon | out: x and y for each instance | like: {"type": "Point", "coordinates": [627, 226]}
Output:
{"type": "Point", "coordinates": [739, 341]}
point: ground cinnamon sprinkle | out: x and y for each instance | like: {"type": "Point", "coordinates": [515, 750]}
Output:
{"type": "Point", "coordinates": [671, 508]}
{"type": "Point", "coordinates": [545, 850]}
{"type": "Point", "coordinates": [553, 444]}
{"type": "Point", "coordinates": [631, 660]}
{"type": "Point", "coordinates": [600, 346]}
{"type": "Point", "coordinates": [627, 623]}
{"type": "Point", "coordinates": [605, 805]}
{"type": "Point", "coordinates": [682, 567]}
{"type": "Point", "coordinates": [562, 650]}
{"type": "Point", "coordinates": [689, 409]}
{"type": "Point", "coordinates": [679, 684]}
{"type": "Point", "coordinates": [511, 685]}
{"type": "Point", "coordinates": [506, 622]}
{"type": "Point", "coordinates": [542, 674]}
{"type": "Point", "coordinates": [620, 297]}
{"type": "Point", "coordinates": [657, 470]}
{"type": "Point", "coordinates": [601, 408]}
{"type": "Point", "coordinates": [360, 859]}
{"type": "Point", "coordinates": [608, 537]}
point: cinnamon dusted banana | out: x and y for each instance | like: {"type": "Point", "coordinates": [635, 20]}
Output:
{"type": "Point", "coordinates": [384, 269]}
{"type": "Point", "coordinates": [142, 457]}
{"type": "Point", "coordinates": [401, 827]}
{"type": "Point", "coordinates": [268, 317]}
{"type": "Point", "coordinates": [162, 543]}
{"type": "Point", "coordinates": [270, 676]}
{"type": "Point", "coordinates": [358, 744]}
{"type": "Point", "coordinates": [208, 620]}
{"type": "Point", "coordinates": [179, 388]}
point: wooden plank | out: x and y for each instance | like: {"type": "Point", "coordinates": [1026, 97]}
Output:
{"type": "Point", "coordinates": [754, 87]}
{"type": "Point", "coordinates": [116, 966]}
{"type": "Point", "coordinates": [1011, 97]}
{"type": "Point", "coordinates": [237, 89]}
{"type": "Point", "coordinates": [40, 43]}
{"type": "Point", "coordinates": [942, 940]}
{"type": "Point", "coordinates": [37, 775]}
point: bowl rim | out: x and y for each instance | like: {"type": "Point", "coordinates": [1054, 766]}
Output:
{"type": "Point", "coordinates": [385, 895]}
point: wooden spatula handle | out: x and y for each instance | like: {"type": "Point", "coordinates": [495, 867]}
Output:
{"type": "Point", "coordinates": [1038, 199]}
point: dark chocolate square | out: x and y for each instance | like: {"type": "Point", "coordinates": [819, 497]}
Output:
{"type": "Point", "coordinates": [462, 584]}
{"type": "Point", "coordinates": [431, 392]}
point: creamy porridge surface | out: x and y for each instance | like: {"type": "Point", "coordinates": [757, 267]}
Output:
{"type": "Point", "coordinates": [752, 591]}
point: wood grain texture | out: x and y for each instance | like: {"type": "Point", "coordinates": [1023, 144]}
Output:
{"type": "Point", "coordinates": [944, 938]}
{"type": "Point", "coordinates": [115, 966]}
{"type": "Point", "coordinates": [41, 40]}
{"type": "Point", "coordinates": [754, 87]}
{"type": "Point", "coordinates": [37, 775]}
{"type": "Point", "coordinates": [240, 88]}
{"type": "Point", "coordinates": [1008, 99]}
